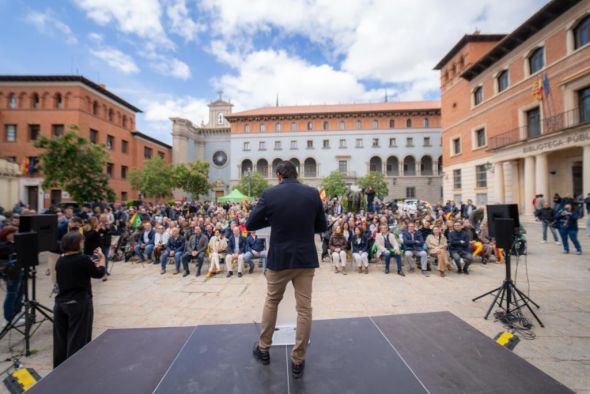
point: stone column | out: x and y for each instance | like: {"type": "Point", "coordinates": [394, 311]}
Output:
{"type": "Point", "coordinates": [529, 184]}
{"type": "Point", "coordinates": [586, 170]}
{"type": "Point", "coordinates": [512, 182]}
{"type": "Point", "coordinates": [499, 183]}
{"type": "Point", "coordinates": [542, 175]}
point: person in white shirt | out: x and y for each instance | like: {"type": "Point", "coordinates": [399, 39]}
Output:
{"type": "Point", "coordinates": [160, 241]}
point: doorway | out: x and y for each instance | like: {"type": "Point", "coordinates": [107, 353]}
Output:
{"type": "Point", "coordinates": [55, 197]}
{"type": "Point", "coordinates": [33, 197]}
{"type": "Point", "coordinates": [577, 179]}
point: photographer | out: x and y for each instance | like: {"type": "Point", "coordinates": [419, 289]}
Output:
{"type": "Point", "coordinates": [547, 217]}
{"type": "Point", "coordinates": [567, 220]}
{"type": "Point", "coordinates": [73, 310]}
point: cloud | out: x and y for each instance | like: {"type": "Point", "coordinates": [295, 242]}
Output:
{"type": "Point", "coordinates": [181, 22]}
{"type": "Point", "coordinates": [47, 23]}
{"type": "Point", "coordinates": [392, 43]}
{"type": "Point", "coordinates": [264, 74]}
{"type": "Point", "coordinates": [166, 64]}
{"type": "Point", "coordinates": [116, 59]}
{"type": "Point", "coordinates": [139, 17]}
{"type": "Point", "coordinates": [158, 111]}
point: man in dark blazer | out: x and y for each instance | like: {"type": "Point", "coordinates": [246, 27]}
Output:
{"type": "Point", "coordinates": [295, 214]}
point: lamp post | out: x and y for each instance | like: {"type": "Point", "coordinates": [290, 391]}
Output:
{"type": "Point", "coordinates": [249, 173]}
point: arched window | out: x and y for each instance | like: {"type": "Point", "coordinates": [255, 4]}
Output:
{"type": "Point", "coordinates": [358, 124]}
{"type": "Point", "coordinates": [477, 95]}
{"type": "Point", "coordinates": [309, 168]}
{"type": "Point", "coordinates": [409, 166]}
{"type": "Point", "coordinates": [310, 125]}
{"type": "Point", "coordinates": [325, 125]}
{"type": "Point", "coordinates": [375, 123]}
{"type": "Point", "coordinates": [35, 101]}
{"type": "Point", "coordinates": [12, 101]}
{"type": "Point", "coordinates": [426, 165]}
{"type": "Point", "coordinates": [341, 125]}
{"type": "Point", "coordinates": [293, 126]}
{"type": "Point", "coordinates": [296, 164]}
{"type": "Point", "coordinates": [426, 123]}
{"type": "Point", "coordinates": [262, 127]}
{"type": "Point", "coordinates": [220, 118]}
{"type": "Point", "coordinates": [409, 123]}
{"type": "Point", "coordinates": [391, 123]}
{"type": "Point", "coordinates": [440, 165]}
{"type": "Point", "coordinates": [536, 61]}
{"type": "Point", "coordinates": [247, 128]}
{"type": "Point", "coordinates": [94, 108]}
{"type": "Point", "coordinates": [58, 101]}
{"type": "Point", "coordinates": [278, 126]}
{"type": "Point", "coordinates": [111, 115]}
{"type": "Point", "coordinates": [246, 167]}
{"type": "Point", "coordinates": [262, 168]}
{"type": "Point", "coordinates": [275, 164]}
{"type": "Point", "coordinates": [582, 33]}
{"type": "Point", "coordinates": [502, 80]}
{"type": "Point", "coordinates": [392, 166]}
{"type": "Point", "coordinates": [375, 164]}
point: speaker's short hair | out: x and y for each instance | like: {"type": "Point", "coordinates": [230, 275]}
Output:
{"type": "Point", "coordinates": [286, 169]}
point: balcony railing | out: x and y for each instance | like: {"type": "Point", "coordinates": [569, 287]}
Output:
{"type": "Point", "coordinates": [548, 125]}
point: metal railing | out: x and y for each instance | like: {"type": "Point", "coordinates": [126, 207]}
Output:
{"type": "Point", "coordinates": [548, 125]}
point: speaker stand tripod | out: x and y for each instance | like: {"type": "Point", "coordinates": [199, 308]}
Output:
{"type": "Point", "coordinates": [30, 308]}
{"type": "Point", "coordinates": [508, 297]}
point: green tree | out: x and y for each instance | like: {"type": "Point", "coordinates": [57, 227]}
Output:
{"type": "Point", "coordinates": [376, 181]}
{"type": "Point", "coordinates": [156, 179]}
{"type": "Point", "coordinates": [73, 164]}
{"type": "Point", "coordinates": [252, 185]}
{"type": "Point", "coordinates": [193, 178]}
{"type": "Point", "coordinates": [334, 185]}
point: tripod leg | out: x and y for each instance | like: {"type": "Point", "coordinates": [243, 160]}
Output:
{"type": "Point", "coordinates": [500, 291]}
{"type": "Point", "coordinates": [524, 296]}
{"type": "Point", "coordinates": [524, 301]}
{"type": "Point", "coordinates": [488, 293]}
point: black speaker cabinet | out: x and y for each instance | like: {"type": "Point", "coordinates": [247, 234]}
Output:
{"type": "Point", "coordinates": [504, 233]}
{"type": "Point", "coordinates": [45, 226]}
{"type": "Point", "coordinates": [501, 211]}
{"type": "Point", "coordinates": [27, 251]}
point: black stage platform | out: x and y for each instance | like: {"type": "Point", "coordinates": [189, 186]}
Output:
{"type": "Point", "coordinates": [417, 353]}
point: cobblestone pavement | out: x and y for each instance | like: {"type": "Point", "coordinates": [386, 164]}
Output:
{"type": "Point", "coordinates": [138, 296]}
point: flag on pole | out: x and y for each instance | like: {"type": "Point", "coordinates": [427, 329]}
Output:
{"type": "Point", "coordinates": [135, 220]}
{"type": "Point", "coordinates": [538, 90]}
{"type": "Point", "coordinates": [546, 85]}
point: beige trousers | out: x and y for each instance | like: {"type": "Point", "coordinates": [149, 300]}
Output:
{"type": "Point", "coordinates": [277, 281]}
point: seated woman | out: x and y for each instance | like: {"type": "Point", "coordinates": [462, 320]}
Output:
{"type": "Point", "coordinates": [217, 252]}
{"type": "Point", "coordinates": [360, 250]}
{"type": "Point", "coordinates": [73, 312]}
{"type": "Point", "coordinates": [338, 250]}
{"type": "Point", "coordinates": [437, 248]}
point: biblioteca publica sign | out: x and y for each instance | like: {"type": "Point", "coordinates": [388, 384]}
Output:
{"type": "Point", "coordinates": [573, 139]}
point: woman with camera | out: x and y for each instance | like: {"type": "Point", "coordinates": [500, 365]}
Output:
{"type": "Point", "coordinates": [73, 311]}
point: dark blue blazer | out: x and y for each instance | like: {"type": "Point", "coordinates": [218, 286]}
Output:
{"type": "Point", "coordinates": [416, 244]}
{"type": "Point", "coordinates": [294, 213]}
{"type": "Point", "coordinates": [458, 241]}
{"type": "Point", "coordinates": [255, 244]}
{"type": "Point", "coordinates": [231, 244]}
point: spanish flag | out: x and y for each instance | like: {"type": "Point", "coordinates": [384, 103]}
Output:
{"type": "Point", "coordinates": [538, 89]}
{"type": "Point", "coordinates": [135, 221]}
{"type": "Point", "coordinates": [323, 194]}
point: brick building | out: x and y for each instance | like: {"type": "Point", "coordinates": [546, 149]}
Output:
{"type": "Point", "coordinates": [516, 110]}
{"type": "Point", "coordinates": [31, 106]}
{"type": "Point", "coordinates": [399, 139]}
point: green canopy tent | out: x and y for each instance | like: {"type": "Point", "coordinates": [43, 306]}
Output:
{"type": "Point", "coordinates": [234, 196]}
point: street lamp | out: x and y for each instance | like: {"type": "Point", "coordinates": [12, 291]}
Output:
{"type": "Point", "coordinates": [249, 174]}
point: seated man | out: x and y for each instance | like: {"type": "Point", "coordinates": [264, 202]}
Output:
{"type": "Point", "coordinates": [197, 245]}
{"type": "Point", "coordinates": [459, 247]}
{"type": "Point", "coordinates": [174, 248]}
{"type": "Point", "coordinates": [255, 250]}
{"type": "Point", "coordinates": [145, 242]}
{"type": "Point", "coordinates": [160, 241]}
{"type": "Point", "coordinates": [414, 246]}
{"type": "Point", "coordinates": [387, 246]}
{"type": "Point", "coordinates": [236, 248]}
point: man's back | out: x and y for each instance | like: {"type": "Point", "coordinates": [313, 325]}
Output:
{"type": "Point", "coordinates": [295, 213]}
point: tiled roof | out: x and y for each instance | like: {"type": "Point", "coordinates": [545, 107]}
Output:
{"type": "Point", "coordinates": [339, 108]}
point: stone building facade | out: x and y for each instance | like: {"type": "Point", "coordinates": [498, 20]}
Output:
{"type": "Point", "coordinates": [399, 139]}
{"type": "Point", "coordinates": [208, 142]}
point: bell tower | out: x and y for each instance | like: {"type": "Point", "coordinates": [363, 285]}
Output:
{"type": "Point", "coordinates": [217, 111]}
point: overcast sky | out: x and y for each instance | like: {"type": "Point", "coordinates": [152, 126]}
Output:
{"type": "Point", "coordinates": [170, 57]}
